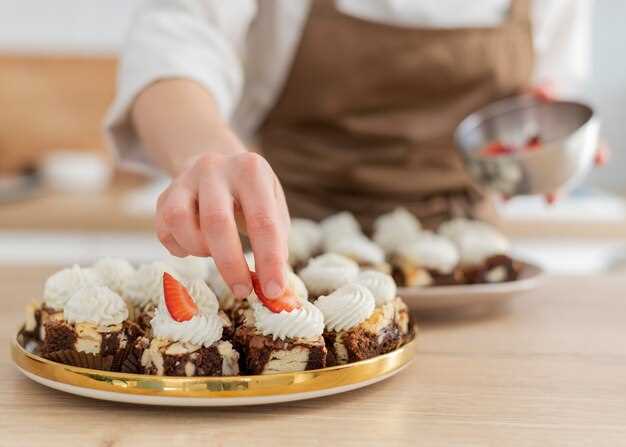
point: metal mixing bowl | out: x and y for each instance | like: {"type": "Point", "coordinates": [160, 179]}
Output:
{"type": "Point", "coordinates": [569, 133]}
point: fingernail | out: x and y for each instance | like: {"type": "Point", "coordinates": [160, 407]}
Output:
{"type": "Point", "coordinates": [272, 289]}
{"type": "Point", "coordinates": [241, 290]}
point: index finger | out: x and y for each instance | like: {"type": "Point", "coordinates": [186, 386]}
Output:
{"type": "Point", "coordinates": [265, 222]}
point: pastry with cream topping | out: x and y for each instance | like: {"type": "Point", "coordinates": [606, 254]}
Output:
{"type": "Point", "coordinates": [280, 335]}
{"type": "Point", "coordinates": [361, 250]}
{"type": "Point", "coordinates": [428, 260]}
{"type": "Point", "coordinates": [384, 291]}
{"type": "Point", "coordinates": [484, 252]}
{"type": "Point", "coordinates": [355, 327]}
{"type": "Point", "coordinates": [93, 331]}
{"type": "Point", "coordinates": [187, 335]}
{"type": "Point", "coordinates": [58, 289]}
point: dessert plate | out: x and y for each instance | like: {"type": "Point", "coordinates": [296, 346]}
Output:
{"type": "Point", "coordinates": [447, 297]}
{"type": "Point", "coordinates": [209, 391]}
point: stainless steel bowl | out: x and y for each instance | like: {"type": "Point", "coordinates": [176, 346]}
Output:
{"type": "Point", "coordinates": [569, 133]}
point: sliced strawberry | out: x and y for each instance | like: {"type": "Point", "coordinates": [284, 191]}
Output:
{"type": "Point", "coordinates": [496, 149]}
{"type": "Point", "coordinates": [179, 303]}
{"type": "Point", "coordinates": [287, 302]}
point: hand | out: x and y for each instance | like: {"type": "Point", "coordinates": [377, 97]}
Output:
{"type": "Point", "coordinates": [198, 214]}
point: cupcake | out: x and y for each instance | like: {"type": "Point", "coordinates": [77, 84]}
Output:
{"type": "Point", "coordinates": [355, 328]}
{"type": "Point", "coordinates": [280, 335]}
{"type": "Point", "coordinates": [484, 252]}
{"type": "Point", "coordinates": [144, 289]}
{"type": "Point", "coordinates": [384, 291]}
{"type": "Point", "coordinates": [429, 260]}
{"type": "Point", "coordinates": [186, 337]}
{"type": "Point", "coordinates": [326, 273]}
{"type": "Point", "coordinates": [395, 229]}
{"type": "Point", "coordinates": [58, 289]}
{"type": "Point", "coordinates": [304, 242]}
{"type": "Point", "coordinates": [94, 331]}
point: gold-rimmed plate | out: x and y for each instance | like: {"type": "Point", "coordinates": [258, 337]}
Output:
{"type": "Point", "coordinates": [209, 391]}
{"type": "Point", "coordinates": [436, 298]}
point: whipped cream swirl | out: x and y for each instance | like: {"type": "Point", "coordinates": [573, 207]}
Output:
{"type": "Point", "coordinates": [305, 238]}
{"type": "Point", "coordinates": [392, 230]}
{"type": "Point", "coordinates": [115, 273]}
{"type": "Point", "coordinates": [146, 284]}
{"type": "Point", "coordinates": [382, 286]}
{"type": "Point", "coordinates": [346, 307]}
{"type": "Point", "coordinates": [356, 247]}
{"type": "Point", "coordinates": [201, 330]}
{"type": "Point", "coordinates": [306, 322]}
{"type": "Point", "coordinates": [96, 304]}
{"type": "Point", "coordinates": [432, 252]}
{"type": "Point", "coordinates": [297, 285]}
{"type": "Point", "coordinates": [328, 272]}
{"type": "Point", "coordinates": [61, 286]}
{"type": "Point", "coordinates": [204, 297]}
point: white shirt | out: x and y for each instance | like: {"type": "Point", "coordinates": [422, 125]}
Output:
{"type": "Point", "coordinates": [241, 50]}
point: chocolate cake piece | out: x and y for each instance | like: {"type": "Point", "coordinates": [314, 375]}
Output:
{"type": "Point", "coordinates": [261, 354]}
{"type": "Point", "coordinates": [32, 322]}
{"type": "Point", "coordinates": [384, 331]}
{"type": "Point", "coordinates": [110, 341]}
{"type": "Point", "coordinates": [495, 269]}
{"type": "Point", "coordinates": [162, 357]}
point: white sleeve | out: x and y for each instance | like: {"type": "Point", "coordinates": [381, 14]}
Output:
{"type": "Point", "coordinates": [562, 39]}
{"type": "Point", "coordinates": [202, 40]}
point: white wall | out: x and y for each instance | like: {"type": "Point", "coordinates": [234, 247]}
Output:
{"type": "Point", "coordinates": [608, 87]}
{"type": "Point", "coordinates": [98, 26]}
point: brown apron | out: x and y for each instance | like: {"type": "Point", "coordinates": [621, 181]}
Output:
{"type": "Point", "coordinates": [366, 117]}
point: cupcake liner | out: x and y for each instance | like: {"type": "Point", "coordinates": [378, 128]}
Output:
{"type": "Point", "coordinates": [82, 359]}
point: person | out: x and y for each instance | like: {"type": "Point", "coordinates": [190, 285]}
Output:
{"type": "Point", "coordinates": [352, 103]}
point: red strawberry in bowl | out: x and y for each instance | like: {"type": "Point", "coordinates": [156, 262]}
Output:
{"type": "Point", "coordinates": [288, 301]}
{"type": "Point", "coordinates": [179, 303]}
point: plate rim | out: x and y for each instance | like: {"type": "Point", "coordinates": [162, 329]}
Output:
{"type": "Point", "coordinates": [536, 274]}
{"type": "Point", "coordinates": [258, 388]}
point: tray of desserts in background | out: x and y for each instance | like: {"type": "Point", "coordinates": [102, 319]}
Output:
{"type": "Point", "coordinates": [463, 263]}
{"type": "Point", "coordinates": [171, 333]}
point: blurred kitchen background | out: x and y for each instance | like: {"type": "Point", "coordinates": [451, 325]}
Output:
{"type": "Point", "coordinates": [57, 77]}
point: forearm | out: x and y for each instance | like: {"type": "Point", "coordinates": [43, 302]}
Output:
{"type": "Point", "coordinates": [177, 120]}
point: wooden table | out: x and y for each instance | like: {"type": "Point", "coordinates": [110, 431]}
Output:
{"type": "Point", "coordinates": [548, 370]}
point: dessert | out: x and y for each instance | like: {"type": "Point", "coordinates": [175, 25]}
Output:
{"type": "Point", "coordinates": [326, 273]}
{"type": "Point", "coordinates": [484, 252]}
{"type": "Point", "coordinates": [392, 230]}
{"type": "Point", "coordinates": [93, 332]}
{"type": "Point", "coordinates": [384, 291]}
{"type": "Point", "coordinates": [229, 304]}
{"type": "Point", "coordinates": [355, 329]}
{"type": "Point", "coordinates": [339, 225]}
{"type": "Point", "coordinates": [428, 260]}
{"type": "Point", "coordinates": [144, 289]}
{"type": "Point", "coordinates": [280, 335]}
{"type": "Point", "coordinates": [186, 336]}
{"type": "Point", "coordinates": [304, 242]}
{"type": "Point", "coordinates": [58, 289]}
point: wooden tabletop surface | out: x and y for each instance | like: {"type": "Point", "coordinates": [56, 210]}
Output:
{"type": "Point", "coordinates": [549, 369]}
